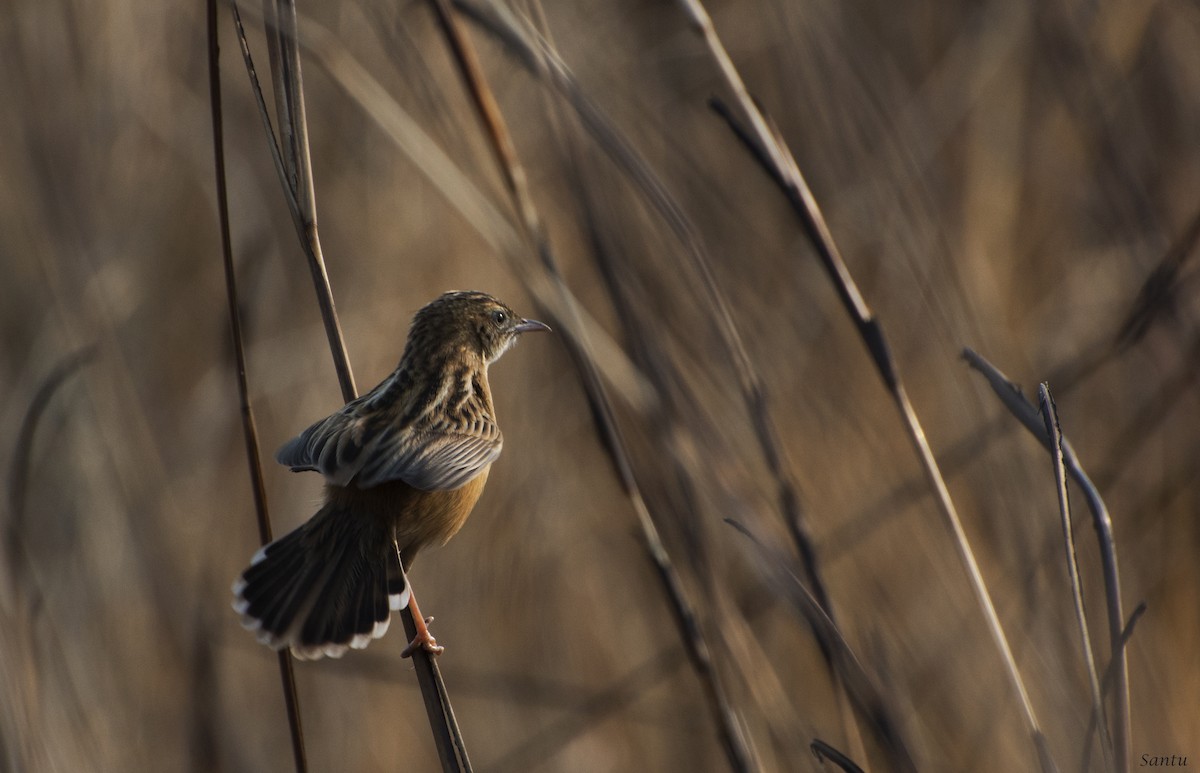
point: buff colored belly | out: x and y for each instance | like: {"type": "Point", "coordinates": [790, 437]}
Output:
{"type": "Point", "coordinates": [419, 518]}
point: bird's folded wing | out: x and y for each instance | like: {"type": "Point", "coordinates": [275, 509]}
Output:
{"type": "Point", "coordinates": [349, 446]}
{"type": "Point", "coordinates": [431, 461]}
{"type": "Point", "coordinates": [335, 446]}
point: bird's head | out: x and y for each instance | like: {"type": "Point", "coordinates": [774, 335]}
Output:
{"type": "Point", "coordinates": [468, 321]}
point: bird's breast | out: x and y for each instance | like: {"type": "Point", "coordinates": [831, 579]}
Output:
{"type": "Point", "coordinates": [418, 517]}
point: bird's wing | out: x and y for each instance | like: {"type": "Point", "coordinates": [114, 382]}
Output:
{"type": "Point", "coordinates": [432, 460]}
{"type": "Point", "coordinates": [367, 447]}
{"type": "Point", "coordinates": [336, 446]}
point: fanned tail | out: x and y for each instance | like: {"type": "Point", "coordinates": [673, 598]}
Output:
{"type": "Point", "coordinates": [328, 586]}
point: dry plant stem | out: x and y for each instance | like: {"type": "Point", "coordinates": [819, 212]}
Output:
{"type": "Point", "coordinates": [18, 475]}
{"type": "Point", "coordinates": [279, 17]}
{"type": "Point", "coordinates": [249, 430]}
{"type": "Point", "coordinates": [784, 169]}
{"type": "Point", "coordinates": [447, 736]}
{"type": "Point", "coordinates": [493, 225]}
{"type": "Point", "coordinates": [823, 751]}
{"type": "Point", "coordinates": [1010, 394]}
{"type": "Point", "coordinates": [1049, 413]}
{"type": "Point", "coordinates": [1154, 300]}
{"type": "Point", "coordinates": [733, 738]}
{"type": "Point", "coordinates": [451, 748]}
{"type": "Point", "coordinates": [301, 209]}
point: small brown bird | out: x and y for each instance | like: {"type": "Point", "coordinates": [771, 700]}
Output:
{"type": "Point", "coordinates": [404, 464]}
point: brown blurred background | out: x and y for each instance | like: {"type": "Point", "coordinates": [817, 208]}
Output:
{"type": "Point", "coordinates": [1002, 175]}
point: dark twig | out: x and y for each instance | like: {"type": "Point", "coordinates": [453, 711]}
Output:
{"type": "Point", "coordinates": [18, 474]}
{"type": "Point", "coordinates": [733, 739]}
{"type": "Point", "coordinates": [249, 430]}
{"type": "Point", "coordinates": [300, 197]}
{"type": "Point", "coordinates": [1157, 295]}
{"type": "Point", "coordinates": [1010, 394]}
{"type": "Point", "coordinates": [1049, 413]}
{"type": "Point", "coordinates": [823, 751]}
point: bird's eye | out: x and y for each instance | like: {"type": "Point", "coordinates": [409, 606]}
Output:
{"type": "Point", "coordinates": [499, 317]}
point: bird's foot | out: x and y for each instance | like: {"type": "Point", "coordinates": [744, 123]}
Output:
{"type": "Point", "coordinates": [423, 640]}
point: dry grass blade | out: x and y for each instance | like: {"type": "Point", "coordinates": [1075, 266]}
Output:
{"type": "Point", "coordinates": [783, 168]}
{"type": "Point", "coordinates": [1050, 415]}
{"type": "Point", "coordinates": [280, 20]}
{"type": "Point", "coordinates": [733, 739]}
{"type": "Point", "coordinates": [1010, 394]}
{"type": "Point", "coordinates": [306, 226]}
{"type": "Point", "coordinates": [287, 673]}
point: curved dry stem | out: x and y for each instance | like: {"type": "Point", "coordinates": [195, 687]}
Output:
{"type": "Point", "coordinates": [18, 474]}
{"type": "Point", "coordinates": [1012, 398]}
{"type": "Point", "coordinates": [823, 751]}
{"type": "Point", "coordinates": [1049, 413]}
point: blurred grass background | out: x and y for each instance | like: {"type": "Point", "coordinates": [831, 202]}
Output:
{"type": "Point", "coordinates": [1006, 176]}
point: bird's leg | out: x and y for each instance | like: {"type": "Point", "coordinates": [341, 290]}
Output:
{"type": "Point", "coordinates": [424, 639]}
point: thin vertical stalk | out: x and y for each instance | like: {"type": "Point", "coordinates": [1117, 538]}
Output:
{"type": "Point", "coordinates": [298, 191]}
{"type": "Point", "coordinates": [1049, 413]}
{"type": "Point", "coordinates": [287, 674]}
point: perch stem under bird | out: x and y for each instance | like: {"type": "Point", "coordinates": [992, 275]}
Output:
{"type": "Point", "coordinates": [404, 465]}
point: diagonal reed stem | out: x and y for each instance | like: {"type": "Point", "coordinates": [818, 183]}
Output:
{"type": "Point", "coordinates": [783, 168]}
{"type": "Point", "coordinates": [535, 52]}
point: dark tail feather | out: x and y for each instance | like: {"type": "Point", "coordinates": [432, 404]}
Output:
{"type": "Point", "coordinates": [325, 587]}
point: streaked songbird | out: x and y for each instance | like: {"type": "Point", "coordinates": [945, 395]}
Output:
{"type": "Point", "coordinates": [404, 465]}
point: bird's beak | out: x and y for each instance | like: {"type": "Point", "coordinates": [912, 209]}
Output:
{"type": "Point", "coordinates": [532, 326]}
